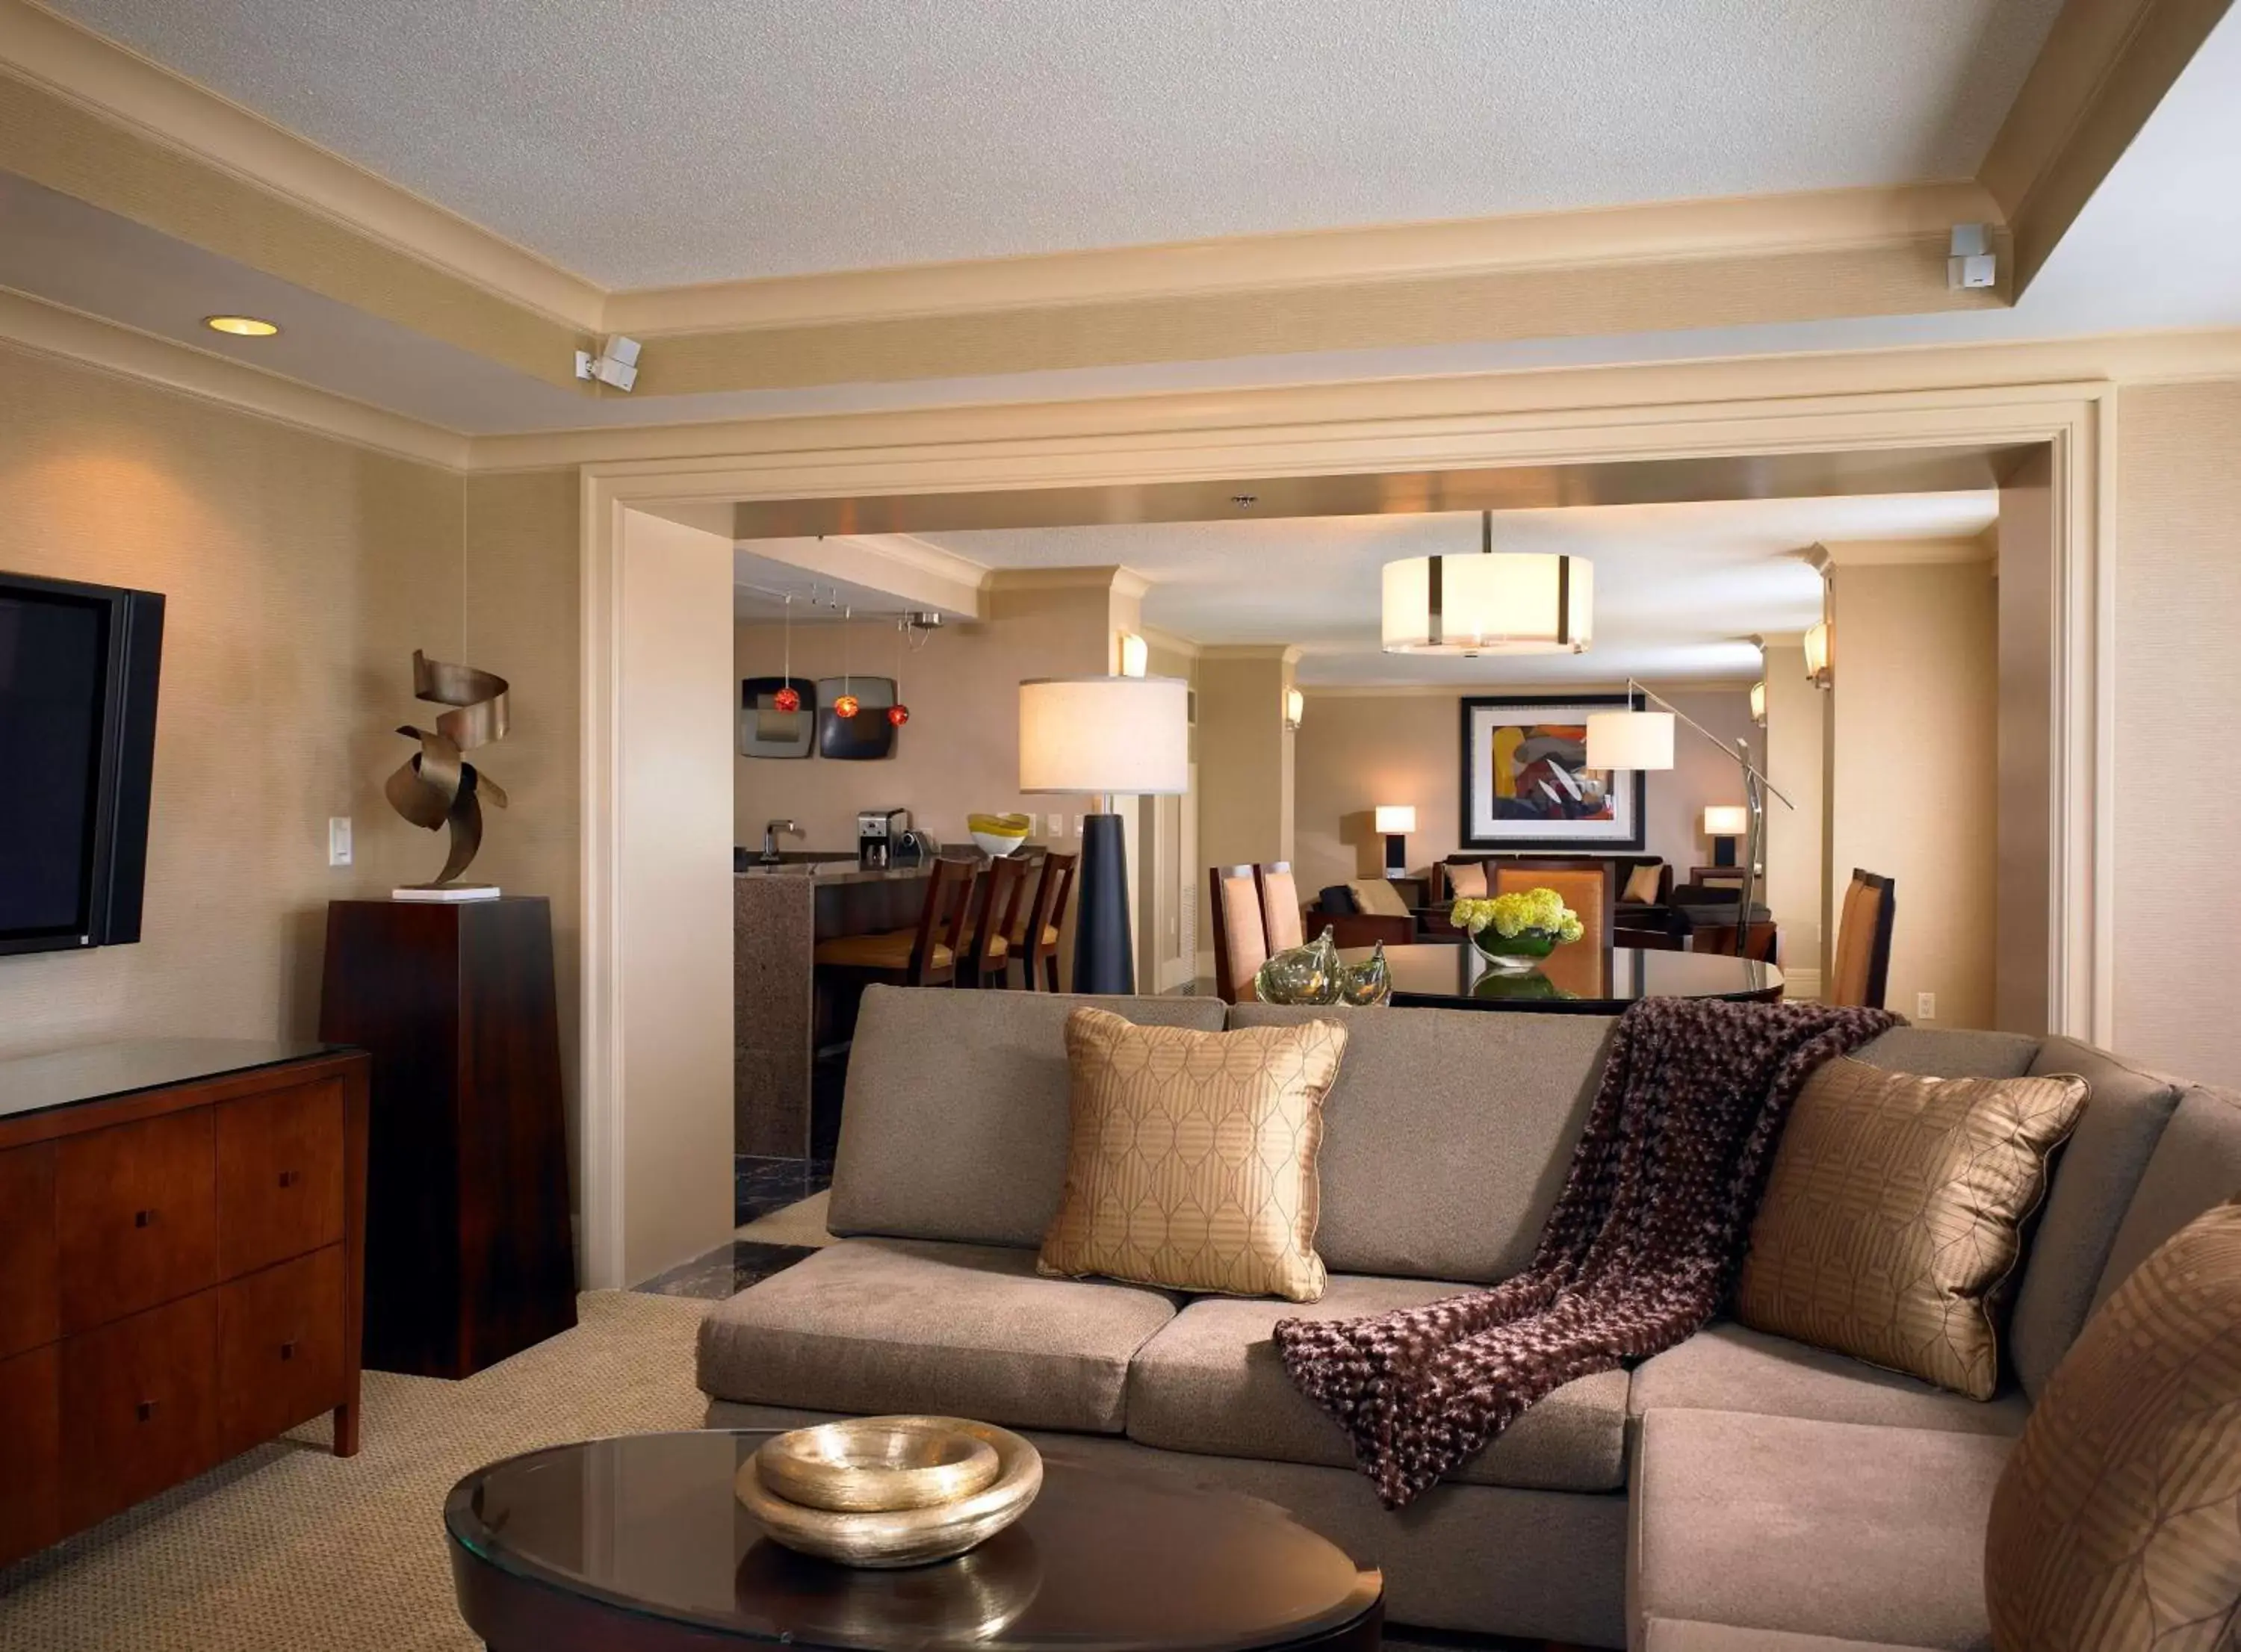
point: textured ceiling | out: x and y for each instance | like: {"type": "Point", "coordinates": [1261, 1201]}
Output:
{"type": "Point", "coordinates": [1678, 588]}
{"type": "Point", "coordinates": [698, 140]}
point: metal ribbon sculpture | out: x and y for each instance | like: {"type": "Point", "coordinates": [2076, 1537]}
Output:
{"type": "Point", "coordinates": [436, 785]}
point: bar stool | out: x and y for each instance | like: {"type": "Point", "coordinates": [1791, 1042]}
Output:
{"type": "Point", "coordinates": [1034, 943]}
{"type": "Point", "coordinates": [988, 949]}
{"type": "Point", "coordinates": [925, 956]}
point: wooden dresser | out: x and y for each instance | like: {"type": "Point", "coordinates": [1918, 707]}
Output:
{"type": "Point", "coordinates": [181, 1246]}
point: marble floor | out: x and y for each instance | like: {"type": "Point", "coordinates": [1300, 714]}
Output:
{"type": "Point", "coordinates": [761, 1187]}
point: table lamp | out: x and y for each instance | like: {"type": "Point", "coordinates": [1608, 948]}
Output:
{"type": "Point", "coordinates": [1396, 822]}
{"type": "Point", "coordinates": [1103, 737]}
{"type": "Point", "coordinates": [1723, 823]}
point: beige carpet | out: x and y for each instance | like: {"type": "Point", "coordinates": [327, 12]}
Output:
{"type": "Point", "coordinates": [292, 1550]}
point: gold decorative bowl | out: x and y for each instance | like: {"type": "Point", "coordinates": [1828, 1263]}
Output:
{"type": "Point", "coordinates": [882, 1539]}
{"type": "Point", "coordinates": [876, 1465]}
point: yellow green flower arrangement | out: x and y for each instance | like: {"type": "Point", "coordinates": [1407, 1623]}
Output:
{"type": "Point", "coordinates": [1514, 929]}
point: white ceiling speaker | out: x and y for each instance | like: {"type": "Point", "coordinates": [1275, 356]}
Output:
{"type": "Point", "coordinates": [1971, 261]}
{"type": "Point", "coordinates": [616, 364]}
{"type": "Point", "coordinates": [1513, 603]}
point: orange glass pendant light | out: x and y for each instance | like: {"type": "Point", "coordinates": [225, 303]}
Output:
{"type": "Point", "coordinates": [788, 697]}
{"type": "Point", "coordinates": [847, 705]}
{"type": "Point", "coordinates": [899, 714]}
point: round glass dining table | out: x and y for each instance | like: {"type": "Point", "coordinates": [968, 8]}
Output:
{"type": "Point", "coordinates": [1577, 978]}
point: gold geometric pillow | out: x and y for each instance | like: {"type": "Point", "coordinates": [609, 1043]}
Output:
{"type": "Point", "coordinates": [1191, 1160]}
{"type": "Point", "coordinates": [2116, 1522]}
{"type": "Point", "coordinates": [1894, 1213]}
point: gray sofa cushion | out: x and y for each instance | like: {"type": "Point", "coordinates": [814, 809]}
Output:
{"type": "Point", "coordinates": [1830, 1529]}
{"type": "Point", "coordinates": [954, 1123]}
{"type": "Point", "coordinates": [1731, 1368]}
{"type": "Point", "coordinates": [1447, 1136]}
{"type": "Point", "coordinates": [1671, 1635]}
{"type": "Point", "coordinates": [1950, 1052]}
{"type": "Point", "coordinates": [2196, 1163]}
{"type": "Point", "coordinates": [2095, 1173]}
{"type": "Point", "coordinates": [1211, 1381]}
{"type": "Point", "coordinates": [872, 1325]}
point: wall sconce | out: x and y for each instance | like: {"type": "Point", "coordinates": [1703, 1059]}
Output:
{"type": "Point", "coordinates": [1295, 709]}
{"type": "Point", "coordinates": [1759, 702]}
{"type": "Point", "coordinates": [1820, 655]}
{"type": "Point", "coordinates": [1136, 655]}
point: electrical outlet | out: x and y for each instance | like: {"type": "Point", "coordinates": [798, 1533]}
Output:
{"type": "Point", "coordinates": [339, 840]}
{"type": "Point", "coordinates": [1058, 825]}
{"type": "Point", "coordinates": [1925, 1006]}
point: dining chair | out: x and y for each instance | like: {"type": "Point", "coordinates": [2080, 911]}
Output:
{"type": "Point", "coordinates": [1755, 941]}
{"type": "Point", "coordinates": [1864, 938]}
{"type": "Point", "coordinates": [1240, 943]}
{"type": "Point", "coordinates": [987, 953]}
{"type": "Point", "coordinates": [1034, 942]}
{"type": "Point", "coordinates": [1584, 884]}
{"type": "Point", "coordinates": [925, 955]}
{"type": "Point", "coordinates": [1281, 926]}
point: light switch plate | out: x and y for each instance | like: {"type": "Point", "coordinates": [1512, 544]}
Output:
{"type": "Point", "coordinates": [1925, 1006]}
{"type": "Point", "coordinates": [339, 840]}
{"type": "Point", "coordinates": [1058, 825]}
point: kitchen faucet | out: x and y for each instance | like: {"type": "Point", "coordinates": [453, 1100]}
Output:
{"type": "Point", "coordinates": [770, 856]}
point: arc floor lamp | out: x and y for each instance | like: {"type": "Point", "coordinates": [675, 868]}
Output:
{"type": "Point", "coordinates": [1643, 740]}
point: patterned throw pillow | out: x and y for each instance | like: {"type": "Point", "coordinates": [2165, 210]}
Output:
{"type": "Point", "coordinates": [1894, 1213]}
{"type": "Point", "coordinates": [2116, 1523]}
{"type": "Point", "coordinates": [1191, 1162]}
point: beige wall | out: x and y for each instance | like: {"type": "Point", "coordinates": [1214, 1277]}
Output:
{"type": "Point", "coordinates": [1796, 720]}
{"type": "Point", "coordinates": [960, 753]}
{"type": "Point", "coordinates": [1247, 760]}
{"type": "Point", "coordinates": [2178, 766]}
{"type": "Point", "coordinates": [1357, 751]}
{"type": "Point", "coordinates": [2023, 538]}
{"type": "Point", "coordinates": [299, 575]}
{"type": "Point", "coordinates": [1912, 747]}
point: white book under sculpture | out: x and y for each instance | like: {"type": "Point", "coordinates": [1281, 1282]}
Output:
{"type": "Point", "coordinates": [445, 891]}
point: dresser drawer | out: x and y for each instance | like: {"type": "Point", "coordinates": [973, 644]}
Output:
{"type": "Point", "coordinates": [31, 1453]}
{"type": "Point", "coordinates": [135, 1216]}
{"type": "Point", "coordinates": [30, 1313]}
{"type": "Point", "coordinates": [280, 1347]}
{"type": "Point", "coordinates": [279, 1176]}
{"type": "Point", "coordinates": [139, 1407]}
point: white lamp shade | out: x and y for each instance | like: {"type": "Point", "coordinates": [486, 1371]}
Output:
{"type": "Point", "coordinates": [1084, 735]}
{"type": "Point", "coordinates": [1500, 603]}
{"type": "Point", "coordinates": [1629, 740]}
{"type": "Point", "coordinates": [1396, 817]}
{"type": "Point", "coordinates": [1726, 820]}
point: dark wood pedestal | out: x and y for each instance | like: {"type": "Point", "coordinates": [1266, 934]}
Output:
{"type": "Point", "coordinates": [468, 1252]}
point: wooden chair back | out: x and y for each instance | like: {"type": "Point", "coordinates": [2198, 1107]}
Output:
{"type": "Point", "coordinates": [1281, 926]}
{"type": "Point", "coordinates": [995, 912]}
{"type": "Point", "coordinates": [1240, 943]}
{"type": "Point", "coordinates": [1035, 943]}
{"type": "Point", "coordinates": [941, 922]}
{"type": "Point", "coordinates": [1585, 886]}
{"type": "Point", "coordinates": [1864, 938]}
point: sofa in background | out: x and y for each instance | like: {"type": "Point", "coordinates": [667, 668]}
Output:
{"type": "Point", "coordinates": [1738, 1490]}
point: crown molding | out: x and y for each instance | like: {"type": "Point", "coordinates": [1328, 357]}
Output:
{"type": "Point", "coordinates": [45, 329]}
{"type": "Point", "coordinates": [1891, 553]}
{"type": "Point", "coordinates": [1464, 691]}
{"type": "Point", "coordinates": [1100, 576]}
{"type": "Point", "coordinates": [1173, 642]}
{"type": "Point", "coordinates": [1283, 653]}
{"type": "Point", "coordinates": [133, 92]}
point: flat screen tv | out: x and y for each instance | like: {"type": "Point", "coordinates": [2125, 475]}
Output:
{"type": "Point", "coordinates": [78, 743]}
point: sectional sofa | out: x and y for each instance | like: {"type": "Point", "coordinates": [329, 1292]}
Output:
{"type": "Point", "coordinates": [1738, 1491]}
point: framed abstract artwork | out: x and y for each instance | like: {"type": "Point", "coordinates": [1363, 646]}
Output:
{"type": "Point", "coordinates": [1526, 783]}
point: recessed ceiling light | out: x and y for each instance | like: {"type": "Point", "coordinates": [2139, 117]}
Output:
{"type": "Point", "coordinates": [242, 326]}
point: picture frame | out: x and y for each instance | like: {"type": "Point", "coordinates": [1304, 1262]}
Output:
{"type": "Point", "coordinates": [1525, 785]}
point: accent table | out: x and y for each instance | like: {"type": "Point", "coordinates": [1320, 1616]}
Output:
{"type": "Point", "coordinates": [637, 1542]}
{"type": "Point", "coordinates": [1577, 979]}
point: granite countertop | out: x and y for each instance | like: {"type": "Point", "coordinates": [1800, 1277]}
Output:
{"type": "Point", "coordinates": [820, 873]}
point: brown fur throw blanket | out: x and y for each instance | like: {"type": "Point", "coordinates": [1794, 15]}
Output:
{"type": "Point", "coordinates": [1642, 1246]}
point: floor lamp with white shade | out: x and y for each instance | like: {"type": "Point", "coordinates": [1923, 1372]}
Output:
{"type": "Point", "coordinates": [1643, 740]}
{"type": "Point", "coordinates": [1102, 738]}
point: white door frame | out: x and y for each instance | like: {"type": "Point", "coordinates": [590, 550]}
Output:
{"type": "Point", "coordinates": [1590, 418]}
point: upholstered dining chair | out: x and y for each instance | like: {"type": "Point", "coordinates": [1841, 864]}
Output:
{"type": "Point", "coordinates": [1281, 926]}
{"type": "Point", "coordinates": [987, 954]}
{"type": "Point", "coordinates": [1584, 885]}
{"type": "Point", "coordinates": [1241, 942]}
{"type": "Point", "coordinates": [1034, 942]}
{"type": "Point", "coordinates": [1864, 938]}
{"type": "Point", "coordinates": [924, 956]}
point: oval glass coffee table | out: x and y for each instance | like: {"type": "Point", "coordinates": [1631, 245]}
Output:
{"type": "Point", "coordinates": [638, 1542]}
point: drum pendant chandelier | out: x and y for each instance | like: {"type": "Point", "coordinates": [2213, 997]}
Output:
{"type": "Point", "coordinates": [1513, 603]}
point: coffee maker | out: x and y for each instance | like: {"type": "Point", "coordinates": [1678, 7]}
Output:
{"type": "Point", "coordinates": [877, 832]}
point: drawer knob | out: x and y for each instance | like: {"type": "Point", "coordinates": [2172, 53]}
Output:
{"type": "Point", "coordinates": [288, 1349]}
{"type": "Point", "coordinates": [143, 1218]}
{"type": "Point", "coordinates": [290, 1178]}
{"type": "Point", "coordinates": [146, 1410]}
